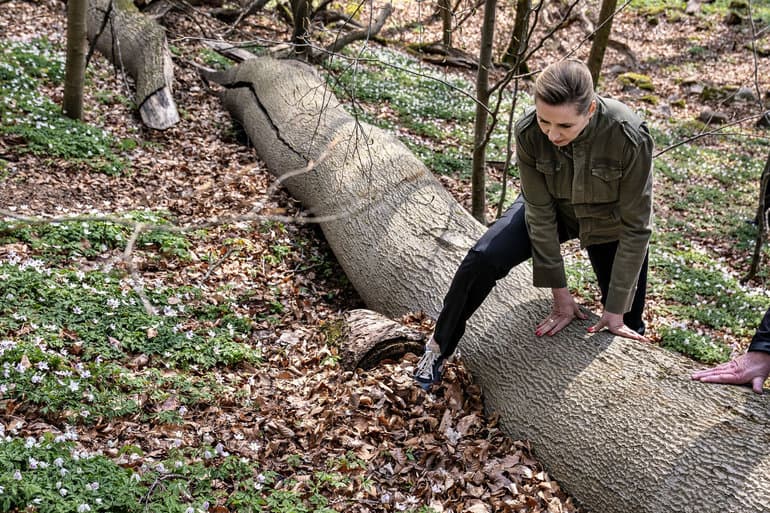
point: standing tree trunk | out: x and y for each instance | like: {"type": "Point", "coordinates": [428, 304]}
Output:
{"type": "Point", "coordinates": [478, 166]}
{"type": "Point", "coordinates": [445, 8]}
{"type": "Point", "coordinates": [300, 12]}
{"type": "Point", "coordinates": [761, 221]}
{"type": "Point", "coordinates": [514, 54]}
{"type": "Point", "coordinates": [75, 71]}
{"type": "Point", "coordinates": [601, 38]}
{"type": "Point", "coordinates": [619, 423]}
{"type": "Point", "coordinates": [137, 44]}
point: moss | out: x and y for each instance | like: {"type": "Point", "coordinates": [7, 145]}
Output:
{"type": "Point", "coordinates": [652, 99]}
{"type": "Point", "coordinates": [762, 48]}
{"type": "Point", "coordinates": [334, 331]}
{"type": "Point", "coordinates": [711, 93]}
{"type": "Point", "coordinates": [637, 80]}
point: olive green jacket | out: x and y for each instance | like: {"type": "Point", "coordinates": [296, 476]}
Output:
{"type": "Point", "coordinates": [599, 187]}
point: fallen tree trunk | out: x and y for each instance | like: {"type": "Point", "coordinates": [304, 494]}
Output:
{"type": "Point", "coordinates": [137, 44]}
{"type": "Point", "coordinates": [618, 423]}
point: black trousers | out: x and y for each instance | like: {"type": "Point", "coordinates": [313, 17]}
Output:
{"type": "Point", "coordinates": [761, 339]}
{"type": "Point", "coordinates": [505, 245]}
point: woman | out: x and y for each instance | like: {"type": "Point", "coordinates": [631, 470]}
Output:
{"type": "Point", "coordinates": [586, 171]}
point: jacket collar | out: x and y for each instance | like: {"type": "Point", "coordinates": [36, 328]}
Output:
{"type": "Point", "coordinates": [588, 130]}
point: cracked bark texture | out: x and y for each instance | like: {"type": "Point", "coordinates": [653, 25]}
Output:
{"type": "Point", "coordinates": [619, 424]}
{"type": "Point", "coordinates": [137, 44]}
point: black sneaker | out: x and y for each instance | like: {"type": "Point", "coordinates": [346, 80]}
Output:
{"type": "Point", "coordinates": [429, 369]}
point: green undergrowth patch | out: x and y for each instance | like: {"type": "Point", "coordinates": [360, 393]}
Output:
{"type": "Point", "coordinates": [105, 316]}
{"type": "Point", "coordinates": [708, 191]}
{"type": "Point", "coordinates": [705, 291]}
{"type": "Point", "coordinates": [27, 113]}
{"type": "Point", "coordinates": [60, 241]}
{"type": "Point", "coordinates": [88, 345]}
{"type": "Point", "coordinates": [760, 10]}
{"type": "Point", "coordinates": [695, 345]}
{"type": "Point", "coordinates": [214, 59]}
{"type": "Point", "coordinates": [50, 475]}
{"type": "Point", "coordinates": [395, 91]}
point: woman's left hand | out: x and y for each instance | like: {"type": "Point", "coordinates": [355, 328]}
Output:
{"type": "Point", "coordinates": [615, 325]}
{"type": "Point", "coordinates": [563, 312]}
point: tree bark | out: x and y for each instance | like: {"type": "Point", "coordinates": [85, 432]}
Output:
{"type": "Point", "coordinates": [601, 38]}
{"type": "Point", "coordinates": [75, 71]}
{"type": "Point", "coordinates": [445, 8]}
{"type": "Point", "coordinates": [478, 164]}
{"type": "Point", "coordinates": [761, 219]}
{"type": "Point", "coordinates": [137, 44]}
{"type": "Point", "coordinates": [300, 14]}
{"type": "Point", "coordinates": [619, 423]}
{"type": "Point", "coordinates": [514, 54]}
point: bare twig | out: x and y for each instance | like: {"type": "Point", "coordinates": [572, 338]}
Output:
{"type": "Point", "coordinates": [764, 182]}
{"type": "Point", "coordinates": [756, 59]}
{"type": "Point", "coordinates": [154, 485]}
{"type": "Point", "coordinates": [311, 164]}
{"type": "Point", "coordinates": [356, 35]}
{"type": "Point", "coordinates": [230, 251]}
{"type": "Point", "coordinates": [92, 46]}
{"type": "Point", "coordinates": [509, 153]}
{"type": "Point", "coordinates": [705, 134]}
{"type": "Point", "coordinates": [131, 266]}
{"type": "Point", "coordinates": [254, 6]}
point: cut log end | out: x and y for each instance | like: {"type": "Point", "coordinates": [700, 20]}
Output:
{"type": "Point", "coordinates": [371, 338]}
{"type": "Point", "coordinates": [159, 110]}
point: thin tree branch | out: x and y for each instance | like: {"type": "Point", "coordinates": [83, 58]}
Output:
{"type": "Point", "coordinates": [704, 134]}
{"type": "Point", "coordinates": [254, 6]}
{"type": "Point", "coordinates": [218, 263]}
{"type": "Point", "coordinates": [131, 266]}
{"type": "Point", "coordinates": [756, 58]}
{"type": "Point", "coordinates": [364, 34]}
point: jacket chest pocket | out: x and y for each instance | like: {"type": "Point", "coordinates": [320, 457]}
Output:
{"type": "Point", "coordinates": [556, 178]}
{"type": "Point", "coordinates": [605, 182]}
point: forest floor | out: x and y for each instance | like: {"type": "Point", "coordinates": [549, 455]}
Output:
{"type": "Point", "coordinates": [294, 412]}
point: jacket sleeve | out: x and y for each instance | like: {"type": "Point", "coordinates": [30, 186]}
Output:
{"type": "Point", "coordinates": [635, 209]}
{"type": "Point", "coordinates": [540, 215]}
{"type": "Point", "coordinates": [761, 339]}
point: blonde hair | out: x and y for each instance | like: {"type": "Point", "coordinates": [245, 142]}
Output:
{"type": "Point", "coordinates": [564, 82]}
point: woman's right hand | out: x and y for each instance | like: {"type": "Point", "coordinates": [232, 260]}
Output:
{"type": "Point", "coordinates": [564, 310]}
